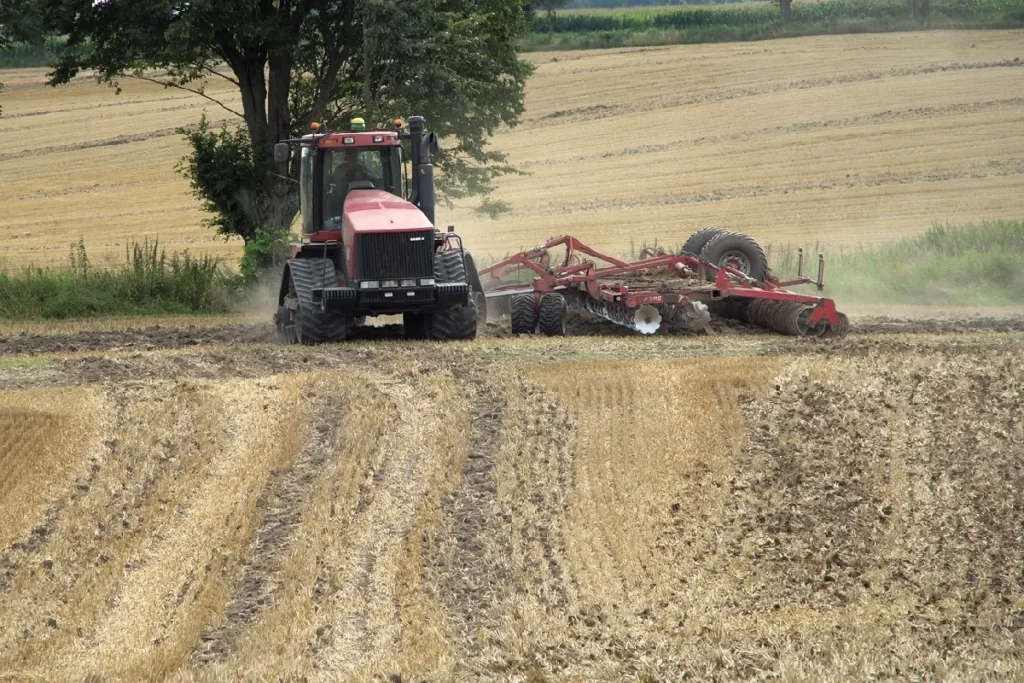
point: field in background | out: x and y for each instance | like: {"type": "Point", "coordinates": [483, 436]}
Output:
{"type": "Point", "coordinates": [843, 140]}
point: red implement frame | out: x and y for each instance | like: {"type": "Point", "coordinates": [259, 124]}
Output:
{"type": "Point", "coordinates": [601, 282]}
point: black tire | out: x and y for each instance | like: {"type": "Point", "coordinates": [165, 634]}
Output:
{"type": "Point", "coordinates": [476, 290]}
{"type": "Point", "coordinates": [454, 322]}
{"type": "Point", "coordinates": [695, 242]}
{"type": "Point", "coordinates": [302, 321]}
{"type": "Point", "coordinates": [738, 251]}
{"type": "Point", "coordinates": [523, 311]}
{"type": "Point", "coordinates": [551, 315]}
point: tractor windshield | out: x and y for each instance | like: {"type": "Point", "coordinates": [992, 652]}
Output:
{"type": "Point", "coordinates": [358, 168]}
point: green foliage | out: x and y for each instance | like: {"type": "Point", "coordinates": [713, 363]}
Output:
{"type": "Point", "coordinates": [19, 55]}
{"type": "Point", "coordinates": [758, 20]}
{"type": "Point", "coordinates": [259, 253]}
{"type": "Point", "coordinates": [149, 282]}
{"type": "Point", "coordinates": [455, 62]}
{"type": "Point", "coordinates": [224, 175]}
{"type": "Point", "coordinates": [948, 265]}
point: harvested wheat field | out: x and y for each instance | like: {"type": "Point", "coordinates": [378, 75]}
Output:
{"type": "Point", "coordinates": [199, 504]}
{"type": "Point", "coordinates": [839, 139]}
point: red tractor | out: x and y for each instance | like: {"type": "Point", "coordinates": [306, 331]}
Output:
{"type": "Point", "coordinates": [370, 249]}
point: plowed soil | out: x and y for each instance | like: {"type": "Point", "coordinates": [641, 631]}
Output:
{"type": "Point", "coordinates": [198, 504]}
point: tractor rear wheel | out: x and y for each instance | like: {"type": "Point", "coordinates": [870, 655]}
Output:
{"type": "Point", "coordinates": [476, 290]}
{"type": "Point", "coordinates": [736, 250]}
{"type": "Point", "coordinates": [695, 243]}
{"type": "Point", "coordinates": [299, 320]}
{"type": "Point", "coordinates": [454, 322]}
{"type": "Point", "coordinates": [552, 315]}
{"type": "Point", "coordinates": [523, 311]}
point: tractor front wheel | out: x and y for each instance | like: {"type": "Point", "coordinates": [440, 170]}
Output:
{"type": "Point", "coordinates": [299, 320]}
{"type": "Point", "coordinates": [454, 322]}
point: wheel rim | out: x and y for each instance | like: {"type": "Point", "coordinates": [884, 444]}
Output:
{"type": "Point", "coordinates": [736, 260]}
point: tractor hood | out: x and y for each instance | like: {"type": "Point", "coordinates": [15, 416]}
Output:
{"type": "Point", "coordinates": [380, 211]}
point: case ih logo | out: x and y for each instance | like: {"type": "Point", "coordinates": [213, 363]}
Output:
{"type": "Point", "coordinates": [416, 239]}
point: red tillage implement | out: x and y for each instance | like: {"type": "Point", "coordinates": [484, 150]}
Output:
{"type": "Point", "coordinates": [678, 289]}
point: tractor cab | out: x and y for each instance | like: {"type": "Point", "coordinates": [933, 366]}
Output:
{"type": "Point", "coordinates": [337, 164]}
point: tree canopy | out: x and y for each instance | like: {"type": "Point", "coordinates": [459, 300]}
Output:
{"type": "Point", "coordinates": [455, 62]}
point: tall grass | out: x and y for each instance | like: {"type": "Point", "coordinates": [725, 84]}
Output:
{"type": "Point", "coordinates": [948, 265]}
{"type": "Point", "coordinates": [149, 282]}
{"type": "Point", "coordinates": [759, 20]}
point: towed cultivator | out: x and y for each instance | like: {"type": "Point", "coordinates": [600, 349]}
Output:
{"type": "Point", "coordinates": [716, 273]}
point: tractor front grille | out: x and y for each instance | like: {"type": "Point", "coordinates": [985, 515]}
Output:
{"type": "Point", "coordinates": [395, 255]}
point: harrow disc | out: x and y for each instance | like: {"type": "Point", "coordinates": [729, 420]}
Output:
{"type": "Point", "coordinates": [646, 320]}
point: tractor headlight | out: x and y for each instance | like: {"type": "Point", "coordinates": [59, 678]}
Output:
{"type": "Point", "coordinates": [408, 283]}
{"type": "Point", "coordinates": [369, 284]}
{"type": "Point", "coordinates": [427, 282]}
{"type": "Point", "coordinates": [389, 284]}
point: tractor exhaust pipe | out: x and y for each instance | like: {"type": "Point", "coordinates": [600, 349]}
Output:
{"type": "Point", "coordinates": [422, 171]}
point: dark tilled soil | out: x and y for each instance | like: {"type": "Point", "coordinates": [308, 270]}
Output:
{"type": "Point", "coordinates": [580, 324]}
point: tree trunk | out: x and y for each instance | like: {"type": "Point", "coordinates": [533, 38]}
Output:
{"type": "Point", "coordinates": [253, 86]}
{"type": "Point", "coordinates": [911, 8]}
{"type": "Point", "coordinates": [787, 14]}
{"type": "Point", "coordinates": [924, 8]}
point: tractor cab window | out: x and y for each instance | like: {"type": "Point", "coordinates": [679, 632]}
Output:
{"type": "Point", "coordinates": [358, 168]}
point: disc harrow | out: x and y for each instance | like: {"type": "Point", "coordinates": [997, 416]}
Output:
{"type": "Point", "coordinates": [682, 290]}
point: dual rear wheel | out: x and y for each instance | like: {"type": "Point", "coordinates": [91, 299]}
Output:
{"type": "Point", "coordinates": [548, 314]}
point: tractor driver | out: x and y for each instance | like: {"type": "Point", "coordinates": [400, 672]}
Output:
{"type": "Point", "coordinates": [352, 171]}
{"type": "Point", "coordinates": [342, 177]}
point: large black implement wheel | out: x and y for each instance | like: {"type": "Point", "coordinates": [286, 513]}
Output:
{"type": "Point", "coordinates": [299, 320]}
{"type": "Point", "coordinates": [736, 250]}
{"type": "Point", "coordinates": [454, 322]}
{"type": "Point", "coordinates": [695, 242]}
{"type": "Point", "coordinates": [523, 311]}
{"type": "Point", "coordinates": [551, 315]}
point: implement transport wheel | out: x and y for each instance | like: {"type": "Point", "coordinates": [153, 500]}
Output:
{"type": "Point", "coordinates": [695, 242]}
{"type": "Point", "coordinates": [299, 320]}
{"type": "Point", "coordinates": [454, 322]}
{"type": "Point", "coordinates": [736, 250]}
{"type": "Point", "coordinates": [523, 311]}
{"type": "Point", "coordinates": [552, 314]}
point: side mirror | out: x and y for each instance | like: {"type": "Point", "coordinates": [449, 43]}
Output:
{"type": "Point", "coordinates": [433, 146]}
{"type": "Point", "coordinates": [282, 152]}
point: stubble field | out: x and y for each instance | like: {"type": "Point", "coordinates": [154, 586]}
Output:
{"type": "Point", "coordinates": [839, 139]}
{"type": "Point", "coordinates": [724, 506]}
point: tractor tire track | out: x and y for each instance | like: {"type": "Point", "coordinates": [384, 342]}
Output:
{"type": "Point", "coordinates": [357, 591]}
{"type": "Point", "coordinates": [282, 500]}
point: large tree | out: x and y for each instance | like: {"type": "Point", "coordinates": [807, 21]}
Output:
{"type": "Point", "coordinates": [295, 61]}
